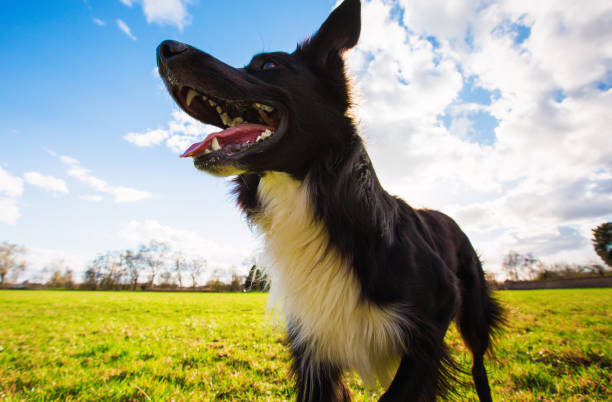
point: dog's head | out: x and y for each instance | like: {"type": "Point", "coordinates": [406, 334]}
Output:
{"type": "Point", "coordinates": [280, 112]}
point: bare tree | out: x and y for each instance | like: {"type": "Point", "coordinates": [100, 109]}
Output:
{"type": "Point", "coordinates": [110, 268]}
{"type": "Point", "coordinates": [62, 275]}
{"type": "Point", "coordinates": [515, 263]}
{"type": "Point", "coordinates": [11, 262]}
{"type": "Point", "coordinates": [179, 265]}
{"type": "Point", "coordinates": [236, 285]}
{"type": "Point", "coordinates": [196, 266]}
{"type": "Point", "coordinates": [92, 277]}
{"type": "Point", "coordinates": [153, 256]}
{"type": "Point", "coordinates": [167, 280]}
{"type": "Point", "coordinates": [511, 264]}
{"type": "Point", "coordinates": [132, 263]}
{"type": "Point", "coordinates": [69, 278]}
{"type": "Point", "coordinates": [531, 265]}
{"type": "Point", "coordinates": [214, 281]}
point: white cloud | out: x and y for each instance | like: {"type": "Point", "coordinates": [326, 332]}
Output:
{"type": "Point", "coordinates": [11, 188]}
{"type": "Point", "coordinates": [69, 160]}
{"type": "Point", "coordinates": [10, 185]}
{"type": "Point", "coordinates": [9, 210]}
{"type": "Point", "coordinates": [98, 22]}
{"type": "Point", "coordinates": [125, 28]}
{"type": "Point", "coordinates": [219, 256]}
{"type": "Point", "coordinates": [149, 138]}
{"type": "Point", "coordinates": [169, 12]}
{"type": "Point", "coordinates": [182, 131]}
{"type": "Point", "coordinates": [40, 264]}
{"type": "Point", "coordinates": [127, 194]}
{"type": "Point", "coordinates": [48, 183]}
{"type": "Point", "coordinates": [120, 194]}
{"type": "Point", "coordinates": [546, 178]}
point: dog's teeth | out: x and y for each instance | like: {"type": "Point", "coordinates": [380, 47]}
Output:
{"type": "Point", "coordinates": [219, 110]}
{"type": "Point", "coordinates": [212, 103]}
{"type": "Point", "coordinates": [236, 121]}
{"type": "Point", "coordinates": [190, 95]}
{"type": "Point", "coordinates": [263, 107]}
{"type": "Point", "coordinates": [226, 119]}
{"type": "Point", "coordinates": [204, 97]}
{"type": "Point", "coordinates": [207, 151]}
{"type": "Point", "coordinates": [264, 135]}
{"type": "Point", "coordinates": [215, 144]}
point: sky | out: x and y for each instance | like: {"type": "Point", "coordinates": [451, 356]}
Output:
{"type": "Point", "coordinates": [497, 113]}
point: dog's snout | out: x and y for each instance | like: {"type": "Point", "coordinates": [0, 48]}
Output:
{"type": "Point", "coordinates": [169, 48]}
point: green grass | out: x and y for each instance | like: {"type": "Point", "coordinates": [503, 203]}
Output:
{"type": "Point", "coordinates": [186, 346]}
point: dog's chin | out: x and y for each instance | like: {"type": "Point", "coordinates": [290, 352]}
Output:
{"type": "Point", "coordinates": [219, 167]}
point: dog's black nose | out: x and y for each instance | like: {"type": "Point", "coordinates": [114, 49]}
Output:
{"type": "Point", "coordinates": [169, 48]}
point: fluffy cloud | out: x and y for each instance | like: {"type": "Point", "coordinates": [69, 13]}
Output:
{"type": "Point", "coordinates": [48, 183]}
{"type": "Point", "coordinates": [147, 139]}
{"type": "Point", "coordinates": [125, 29]}
{"type": "Point", "coordinates": [11, 188]}
{"type": "Point", "coordinates": [41, 263]}
{"type": "Point", "coordinates": [182, 131]}
{"type": "Point", "coordinates": [170, 12]}
{"type": "Point", "coordinates": [10, 185]}
{"type": "Point", "coordinates": [222, 257]}
{"type": "Point", "coordinates": [98, 22]}
{"type": "Point", "coordinates": [9, 210]}
{"type": "Point", "coordinates": [544, 177]}
{"type": "Point", "coordinates": [120, 194]}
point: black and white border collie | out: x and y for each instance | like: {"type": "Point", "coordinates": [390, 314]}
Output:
{"type": "Point", "coordinates": [366, 282]}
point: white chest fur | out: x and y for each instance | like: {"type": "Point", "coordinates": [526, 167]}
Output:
{"type": "Point", "coordinates": [313, 285]}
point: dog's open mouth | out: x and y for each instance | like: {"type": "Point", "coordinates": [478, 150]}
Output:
{"type": "Point", "coordinates": [246, 125]}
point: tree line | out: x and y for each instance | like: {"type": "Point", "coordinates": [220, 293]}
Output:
{"type": "Point", "coordinates": [526, 267]}
{"type": "Point", "coordinates": [156, 266]}
{"type": "Point", "coordinates": [517, 266]}
{"type": "Point", "coordinates": [152, 266]}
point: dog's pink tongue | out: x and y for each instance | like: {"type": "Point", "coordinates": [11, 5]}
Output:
{"type": "Point", "coordinates": [241, 134]}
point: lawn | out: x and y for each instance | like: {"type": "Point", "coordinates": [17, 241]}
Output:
{"type": "Point", "coordinates": [193, 346]}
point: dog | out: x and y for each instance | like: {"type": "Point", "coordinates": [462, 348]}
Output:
{"type": "Point", "coordinates": [366, 282]}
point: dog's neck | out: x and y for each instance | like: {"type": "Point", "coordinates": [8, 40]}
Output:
{"type": "Point", "coordinates": [343, 193]}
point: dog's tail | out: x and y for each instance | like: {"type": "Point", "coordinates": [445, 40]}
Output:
{"type": "Point", "coordinates": [480, 317]}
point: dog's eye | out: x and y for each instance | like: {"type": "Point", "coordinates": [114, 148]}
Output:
{"type": "Point", "coordinates": [268, 65]}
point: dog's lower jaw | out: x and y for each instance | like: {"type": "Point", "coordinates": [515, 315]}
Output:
{"type": "Point", "coordinates": [222, 169]}
{"type": "Point", "coordinates": [317, 291]}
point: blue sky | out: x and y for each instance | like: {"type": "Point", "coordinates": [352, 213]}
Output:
{"type": "Point", "coordinates": [73, 87]}
{"type": "Point", "coordinates": [476, 83]}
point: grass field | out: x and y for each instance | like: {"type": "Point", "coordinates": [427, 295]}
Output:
{"type": "Point", "coordinates": [183, 346]}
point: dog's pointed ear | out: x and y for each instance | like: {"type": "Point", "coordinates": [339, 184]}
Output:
{"type": "Point", "coordinates": [338, 33]}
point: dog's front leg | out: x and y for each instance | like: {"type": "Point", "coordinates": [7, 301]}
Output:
{"type": "Point", "coordinates": [316, 381]}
